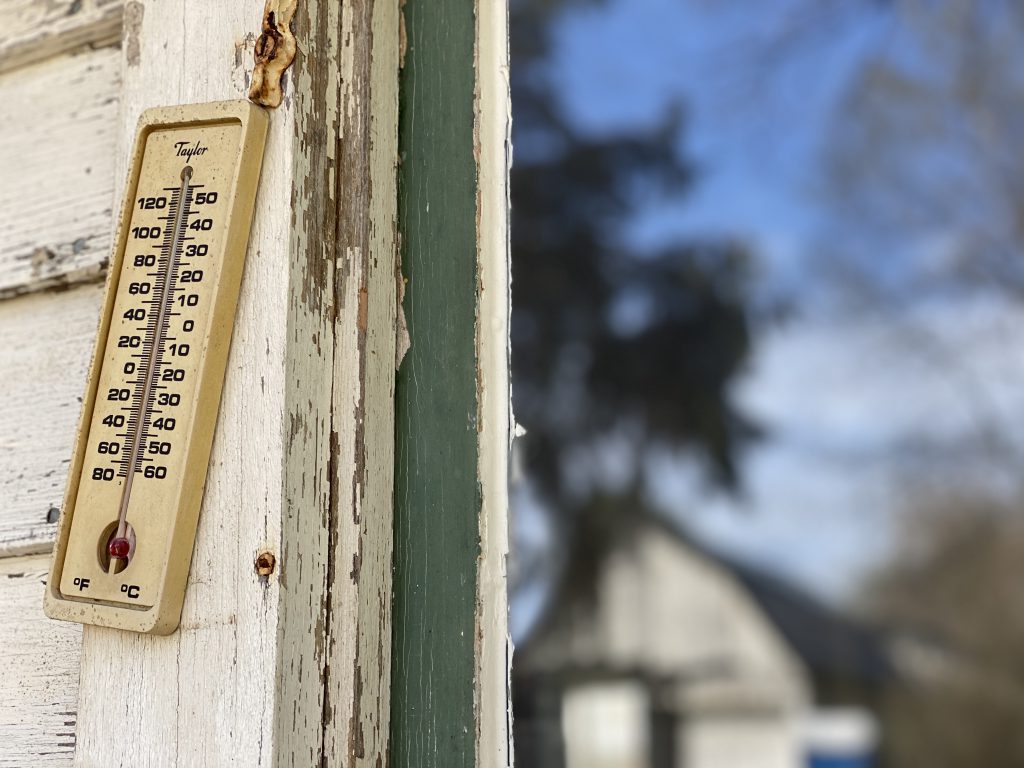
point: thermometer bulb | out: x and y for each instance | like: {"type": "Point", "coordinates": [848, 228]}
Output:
{"type": "Point", "coordinates": [119, 548]}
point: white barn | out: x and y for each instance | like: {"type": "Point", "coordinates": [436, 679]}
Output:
{"type": "Point", "coordinates": [677, 657]}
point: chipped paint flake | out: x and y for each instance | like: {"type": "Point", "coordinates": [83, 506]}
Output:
{"type": "Point", "coordinates": [133, 13]}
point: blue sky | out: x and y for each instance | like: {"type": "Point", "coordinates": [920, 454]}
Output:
{"type": "Point", "coordinates": [627, 62]}
{"type": "Point", "coordinates": [855, 402]}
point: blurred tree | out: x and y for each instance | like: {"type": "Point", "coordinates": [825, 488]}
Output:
{"type": "Point", "coordinates": [918, 187]}
{"type": "Point", "coordinates": [922, 190]}
{"type": "Point", "coordinates": [951, 599]}
{"type": "Point", "coordinates": [611, 345]}
{"type": "Point", "coordinates": [923, 151]}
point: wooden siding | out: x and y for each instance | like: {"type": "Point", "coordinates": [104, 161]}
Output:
{"type": "Point", "coordinates": [33, 30]}
{"type": "Point", "coordinates": [58, 127]}
{"type": "Point", "coordinates": [60, 75]}
{"type": "Point", "coordinates": [39, 692]}
{"type": "Point", "coordinates": [45, 343]}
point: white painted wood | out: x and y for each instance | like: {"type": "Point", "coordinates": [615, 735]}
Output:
{"type": "Point", "coordinates": [45, 345]}
{"type": "Point", "coordinates": [33, 30]}
{"type": "Point", "coordinates": [494, 150]}
{"type": "Point", "coordinates": [278, 670]}
{"type": "Point", "coordinates": [245, 679]}
{"type": "Point", "coordinates": [206, 695]}
{"type": "Point", "coordinates": [39, 691]}
{"type": "Point", "coordinates": [58, 129]}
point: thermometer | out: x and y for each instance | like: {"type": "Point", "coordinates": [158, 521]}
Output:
{"type": "Point", "coordinates": [133, 497]}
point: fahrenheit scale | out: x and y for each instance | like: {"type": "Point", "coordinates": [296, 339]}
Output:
{"type": "Point", "coordinates": [136, 484]}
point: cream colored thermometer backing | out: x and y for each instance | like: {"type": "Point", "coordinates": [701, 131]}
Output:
{"type": "Point", "coordinates": [136, 484]}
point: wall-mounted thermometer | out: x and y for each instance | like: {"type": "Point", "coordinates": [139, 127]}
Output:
{"type": "Point", "coordinates": [136, 484]}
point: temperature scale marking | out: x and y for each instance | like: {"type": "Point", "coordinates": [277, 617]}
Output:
{"type": "Point", "coordinates": [135, 489]}
{"type": "Point", "coordinates": [120, 547]}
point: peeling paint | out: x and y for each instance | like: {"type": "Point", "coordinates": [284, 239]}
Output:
{"type": "Point", "coordinates": [241, 71]}
{"type": "Point", "coordinates": [403, 40]}
{"type": "Point", "coordinates": [402, 340]}
{"type": "Point", "coordinates": [492, 152]}
{"type": "Point", "coordinates": [41, 659]}
{"type": "Point", "coordinates": [133, 13]}
{"type": "Point", "coordinates": [356, 741]}
{"type": "Point", "coordinates": [40, 258]}
{"type": "Point", "coordinates": [286, 632]}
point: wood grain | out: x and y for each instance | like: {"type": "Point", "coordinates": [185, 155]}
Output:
{"type": "Point", "coordinates": [437, 489]}
{"type": "Point", "coordinates": [45, 345]}
{"type": "Point", "coordinates": [33, 31]}
{"type": "Point", "coordinates": [355, 225]}
{"type": "Point", "coordinates": [58, 127]}
{"type": "Point", "coordinates": [39, 693]}
{"type": "Point", "coordinates": [451, 653]}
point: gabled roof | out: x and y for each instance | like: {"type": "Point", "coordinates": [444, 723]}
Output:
{"type": "Point", "coordinates": [830, 643]}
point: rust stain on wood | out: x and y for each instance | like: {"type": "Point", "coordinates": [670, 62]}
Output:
{"type": "Point", "coordinates": [265, 563]}
{"type": "Point", "coordinates": [364, 299]}
{"type": "Point", "coordinates": [274, 53]}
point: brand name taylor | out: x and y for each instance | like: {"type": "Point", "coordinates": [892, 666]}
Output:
{"type": "Point", "coordinates": [189, 150]}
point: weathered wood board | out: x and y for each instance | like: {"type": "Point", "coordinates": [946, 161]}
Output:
{"type": "Point", "coordinates": [59, 81]}
{"type": "Point", "coordinates": [33, 30]}
{"type": "Point", "coordinates": [493, 133]}
{"type": "Point", "coordinates": [58, 129]}
{"type": "Point", "coordinates": [206, 695]}
{"type": "Point", "coordinates": [39, 689]}
{"type": "Point", "coordinates": [289, 668]}
{"type": "Point", "coordinates": [451, 649]}
{"type": "Point", "coordinates": [45, 345]}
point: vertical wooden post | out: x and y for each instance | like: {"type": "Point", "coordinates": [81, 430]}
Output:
{"type": "Point", "coordinates": [291, 668]}
{"type": "Point", "coordinates": [451, 653]}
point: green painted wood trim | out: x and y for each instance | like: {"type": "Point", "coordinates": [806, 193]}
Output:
{"type": "Point", "coordinates": [437, 494]}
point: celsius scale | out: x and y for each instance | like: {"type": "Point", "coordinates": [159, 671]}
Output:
{"type": "Point", "coordinates": [135, 488]}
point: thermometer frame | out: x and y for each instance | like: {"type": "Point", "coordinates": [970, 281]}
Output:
{"type": "Point", "coordinates": [164, 615]}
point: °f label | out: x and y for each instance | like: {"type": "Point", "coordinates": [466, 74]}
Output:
{"type": "Point", "coordinates": [137, 479]}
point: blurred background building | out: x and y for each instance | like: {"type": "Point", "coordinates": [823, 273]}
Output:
{"type": "Point", "coordinates": [768, 265]}
{"type": "Point", "coordinates": [681, 657]}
